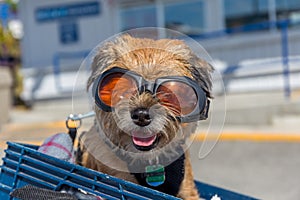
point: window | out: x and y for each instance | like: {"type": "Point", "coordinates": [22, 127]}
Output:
{"type": "Point", "coordinates": [186, 17]}
{"type": "Point", "coordinates": [288, 9]}
{"type": "Point", "coordinates": [243, 12]}
{"type": "Point", "coordinates": [238, 13]}
{"type": "Point", "coordinates": [134, 17]}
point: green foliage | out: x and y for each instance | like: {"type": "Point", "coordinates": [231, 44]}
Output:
{"type": "Point", "coordinates": [13, 5]}
{"type": "Point", "coordinates": [9, 46]}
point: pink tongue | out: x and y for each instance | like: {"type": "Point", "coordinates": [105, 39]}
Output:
{"type": "Point", "coordinates": [144, 142]}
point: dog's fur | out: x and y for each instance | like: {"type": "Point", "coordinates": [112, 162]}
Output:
{"type": "Point", "coordinates": [151, 59]}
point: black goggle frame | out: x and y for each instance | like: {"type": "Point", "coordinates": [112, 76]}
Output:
{"type": "Point", "coordinates": [199, 113]}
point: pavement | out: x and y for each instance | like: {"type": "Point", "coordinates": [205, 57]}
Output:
{"type": "Point", "coordinates": [257, 159]}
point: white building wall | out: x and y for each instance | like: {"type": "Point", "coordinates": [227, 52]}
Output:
{"type": "Point", "coordinates": [42, 39]}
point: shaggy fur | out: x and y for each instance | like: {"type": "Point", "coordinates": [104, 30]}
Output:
{"type": "Point", "coordinates": [107, 145]}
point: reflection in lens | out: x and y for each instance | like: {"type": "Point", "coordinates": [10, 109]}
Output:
{"type": "Point", "coordinates": [178, 97]}
{"type": "Point", "coordinates": [115, 87]}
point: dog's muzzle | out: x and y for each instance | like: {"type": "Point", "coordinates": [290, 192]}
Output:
{"type": "Point", "coordinates": [143, 141]}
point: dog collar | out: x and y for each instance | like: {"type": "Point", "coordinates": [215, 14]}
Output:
{"type": "Point", "coordinates": [164, 179]}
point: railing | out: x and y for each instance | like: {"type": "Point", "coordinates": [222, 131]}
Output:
{"type": "Point", "coordinates": [280, 46]}
{"type": "Point", "coordinates": [279, 55]}
{"type": "Point", "coordinates": [58, 57]}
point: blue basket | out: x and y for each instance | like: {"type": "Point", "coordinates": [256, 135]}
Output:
{"type": "Point", "coordinates": [23, 165]}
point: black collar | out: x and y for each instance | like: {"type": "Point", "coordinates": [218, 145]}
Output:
{"type": "Point", "coordinates": [174, 174]}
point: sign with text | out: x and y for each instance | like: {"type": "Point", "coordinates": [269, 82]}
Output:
{"type": "Point", "coordinates": [67, 10]}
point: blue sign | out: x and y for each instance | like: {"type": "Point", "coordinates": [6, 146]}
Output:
{"type": "Point", "coordinates": [68, 32]}
{"type": "Point", "coordinates": [67, 10]}
{"type": "Point", "coordinates": [4, 13]}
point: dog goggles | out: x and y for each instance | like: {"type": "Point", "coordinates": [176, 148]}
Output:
{"type": "Point", "coordinates": [182, 95]}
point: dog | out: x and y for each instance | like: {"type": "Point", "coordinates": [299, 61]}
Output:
{"type": "Point", "coordinates": [148, 96]}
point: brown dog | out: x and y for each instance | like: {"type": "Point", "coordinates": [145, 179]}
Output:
{"type": "Point", "coordinates": [149, 95]}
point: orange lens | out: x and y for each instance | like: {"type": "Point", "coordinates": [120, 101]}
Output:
{"type": "Point", "coordinates": [115, 87]}
{"type": "Point", "coordinates": [178, 97]}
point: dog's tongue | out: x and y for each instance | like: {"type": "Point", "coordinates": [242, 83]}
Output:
{"type": "Point", "coordinates": [143, 142]}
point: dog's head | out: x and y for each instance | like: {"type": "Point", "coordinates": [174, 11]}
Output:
{"type": "Point", "coordinates": [148, 93]}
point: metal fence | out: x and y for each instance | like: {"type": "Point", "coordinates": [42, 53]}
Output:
{"type": "Point", "coordinates": [58, 67]}
{"type": "Point", "coordinates": [257, 57]}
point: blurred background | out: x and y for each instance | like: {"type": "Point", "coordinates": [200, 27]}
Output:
{"type": "Point", "coordinates": [255, 48]}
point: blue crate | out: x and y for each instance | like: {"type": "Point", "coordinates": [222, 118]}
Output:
{"type": "Point", "coordinates": [23, 165]}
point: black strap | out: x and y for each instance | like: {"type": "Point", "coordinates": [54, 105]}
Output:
{"type": "Point", "coordinates": [73, 133]}
{"type": "Point", "coordinates": [80, 149]}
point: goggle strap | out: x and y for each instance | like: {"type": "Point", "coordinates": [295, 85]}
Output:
{"type": "Point", "coordinates": [204, 114]}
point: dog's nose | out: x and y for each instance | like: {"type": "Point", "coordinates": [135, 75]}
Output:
{"type": "Point", "coordinates": [141, 116]}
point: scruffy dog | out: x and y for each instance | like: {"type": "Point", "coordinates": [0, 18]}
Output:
{"type": "Point", "coordinates": [149, 95]}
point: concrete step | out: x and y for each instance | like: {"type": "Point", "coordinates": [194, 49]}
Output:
{"type": "Point", "coordinates": [288, 121]}
{"type": "Point", "coordinates": [255, 109]}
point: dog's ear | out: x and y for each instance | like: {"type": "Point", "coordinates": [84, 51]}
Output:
{"type": "Point", "coordinates": [202, 73]}
{"type": "Point", "coordinates": [108, 53]}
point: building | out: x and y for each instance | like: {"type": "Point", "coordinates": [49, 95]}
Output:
{"type": "Point", "coordinates": [232, 31]}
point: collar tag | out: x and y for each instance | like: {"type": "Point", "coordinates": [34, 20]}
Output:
{"type": "Point", "coordinates": [155, 175]}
